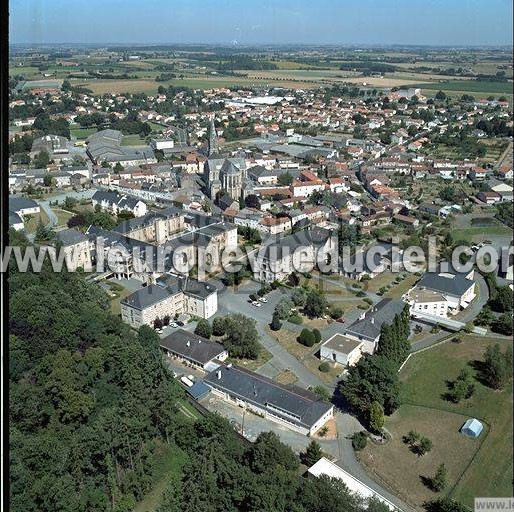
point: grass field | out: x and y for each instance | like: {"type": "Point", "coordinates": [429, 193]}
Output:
{"type": "Point", "coordinates": [82, 133]}
{"type": "Point", "coordinates": [133, 140]}
{"type": "Point", "coordinates": [476, 467]}
{"type": "Point", "coordinates": [469, 234]}
{"type": "Point", "coordinates": [253, 364]}
{"type": "Point", "coordinates": [171, 460]}
{"type": "Point", "coordinates": [62, 216]}
{"type": "Point", "coordinates": [32, 221]}
{"type": "Point", "coordinates": [469, 86]}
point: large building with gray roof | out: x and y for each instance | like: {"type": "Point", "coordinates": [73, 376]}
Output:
{"type": "Point", "coordinates": [171, 297]}
{"type": "Point", "coordinates": [288, 405]}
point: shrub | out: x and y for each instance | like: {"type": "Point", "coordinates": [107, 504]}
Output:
{"type": "Point", "coordinates": [317, 335]}
{"type": "Point", "coordinates": [324, 367]}
{"type": "Point", "coordinates": [295, 319]}
{"type": "Point", "coordinates": [367, 300]}
{"type": "Point", "coordinates": [335, 312]}
{"type": "Point", "coordinates": [276, 324]}
{"type": "Point", "coordinates": [306, 338]}
{"type": "Point", "coordinates": [219, 326]}
{"type": "Point", "coordinates": [359, 441]}
{"type": "Point", "coordinates": [203, 328]}
{"type": "Point", "coordinates": [361, 294]}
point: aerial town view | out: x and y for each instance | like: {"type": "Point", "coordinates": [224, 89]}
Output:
{"type": "Point", "coordinates": [260, 256]}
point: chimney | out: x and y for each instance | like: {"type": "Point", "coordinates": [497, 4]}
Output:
{"type": "Point", "coordinates": [373, 320]}
{"type": "Point", "coordinates": [218, 374]}
{"type": "Point", "coordinates": [188, 343]}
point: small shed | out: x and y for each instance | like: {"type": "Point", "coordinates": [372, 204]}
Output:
{"type": "Point", "coordinates": [472, 428]}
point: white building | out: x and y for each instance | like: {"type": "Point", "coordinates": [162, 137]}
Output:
{"type": "Point", "coordinates": [115, 203]}
{"type": "Point", "coordinates": [328, 468]}
{"type": "Point", "coordinates": [342, 350]}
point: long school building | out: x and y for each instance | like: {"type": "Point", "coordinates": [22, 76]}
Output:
{"type": "Point", "coordinates": [291, 406]}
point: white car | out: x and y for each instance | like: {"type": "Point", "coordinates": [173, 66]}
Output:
{"type": "Point", "coordinates": [263, 300]}
{"type": "Point", "coordinates": [173, 324]}
{"type": "Point", "coordinates": [256, 304]}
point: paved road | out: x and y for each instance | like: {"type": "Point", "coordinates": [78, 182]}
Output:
{"type": "Point", "coordinates": [237, 302]}
{"type": "Point", "coordinates": [478, 302]}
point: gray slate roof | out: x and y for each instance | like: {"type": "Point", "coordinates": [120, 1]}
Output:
{"type": "Point", "coordinates": [200, 350]}
{"type": "Point", "coordinates": [382, 313]}
{"type": "Point", "coordinates": [305, 406]}
{"type": "Point", "coordinates": [448, 283]}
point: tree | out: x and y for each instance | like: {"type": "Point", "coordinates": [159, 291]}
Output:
{"type": "Point", "coordinates": [393, 342]}
{"type": "Point", "coordinates": [219, 326]}
{"type": "Point", "coordinates": [285, 179]}
{"type": "Point", "coordinates": [440, 95]}
{"type": "Point", "coordinates": [157, 323]}
{"type": "Point", "coordinates": [43, 233]}
{"type": "Point", "coordinates": [359, 441]}
{"type": "Point", "coordinates": [445, 505]}
{"type": "Point", "coordinates": [312, 454]}
{"type": "Point", "coordinates": [283, 308]}
{"type": "Point", "coordinates": [47, 180]}
{"type": "Point", "coordinates": [462, 387]}
{"type": "Point", "coordinates": [503, 324]}
{"type": "Point", "coordinates": [411, 438]}
{"type": "Point", "coordinates": [502, 300]}
{"type": "Point", "coordinates": [203, 328]}
{"type": "Point", "coordinates": [70, 202]}
{"type": "Point", "coordinates": [306, 338]}
{"type": "Point", "coordinates": [440, 479]}
{"type": "Point", "coordinates": [299, 296]}
{"type": "Point", "coordinates": [373, 379]}
{"type": "Point", "coordinates": [315, 304]}
{"type": "Point", "coordinates": [317, 335]}
{"type": "Point", "coordinates": [322, 392]}
{"type": "Point", "coordinates": [497, 367]}
{"type": "Point", "coordinates": [252, 201]}
{"type": "Point", "coordinates": [276, 324]}
{"type": "Point", "coordinates": [424, 446]}
{"type": "Point", "coordinates": [42, 159]}
{"type": "Point", "coordinates": [376, 417]}
{"type": "Point", "coordinates": [242, 339]}
{"type": "Point", "coordinates": [268, 452]}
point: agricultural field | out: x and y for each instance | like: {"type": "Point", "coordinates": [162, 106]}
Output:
{"type": "Point", "coordinates": [476, 467]}
{"type": "Point", "coordinates": [469, 86]}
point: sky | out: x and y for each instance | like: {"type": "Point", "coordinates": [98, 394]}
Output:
{"type": "Point", "coordinates": [243, 22]}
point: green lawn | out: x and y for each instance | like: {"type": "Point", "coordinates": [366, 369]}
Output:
{"type": "Point", "coordinates": [62, 216]}
{"type": "Point", "coordinates": [469, 233]}
{"type": "Point", "coordinates": [424, 379]}
{"type": "Point", "coordinates": [82, 133]}
{"type": "Point", "coordinates": [171, 459]}
{"type": "Point", "coordinates": [133, 140]}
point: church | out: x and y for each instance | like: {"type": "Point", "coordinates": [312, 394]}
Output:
{"type": "Point", "coordinates": [224, 173]}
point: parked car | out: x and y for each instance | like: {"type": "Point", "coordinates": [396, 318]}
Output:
{"type": "Point", "coordinates": [263, 299]}
{"type": "Point", "coordinates": [257, 304]}
{"type": "Point", "coordinates": [173, 324]}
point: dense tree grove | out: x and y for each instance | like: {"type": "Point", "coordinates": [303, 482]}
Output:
{"type": "Point", "coordinates": [93, 406]}
{"type": "Point", "coordinates": [372, 387]}
{"type": "Point", "coordinates": [89, 398]}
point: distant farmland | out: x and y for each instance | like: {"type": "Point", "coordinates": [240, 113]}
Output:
{"type": "Point", "coordinates": [480, 86]}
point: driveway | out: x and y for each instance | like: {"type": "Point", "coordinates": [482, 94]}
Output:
{"type": "Point", "coordinates": [478, 302]}
{"type": "Point", "coordinates": [340, 448]}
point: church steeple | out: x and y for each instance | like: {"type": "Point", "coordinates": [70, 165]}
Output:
{"type": "Point", "coordinates": [213, 139]}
